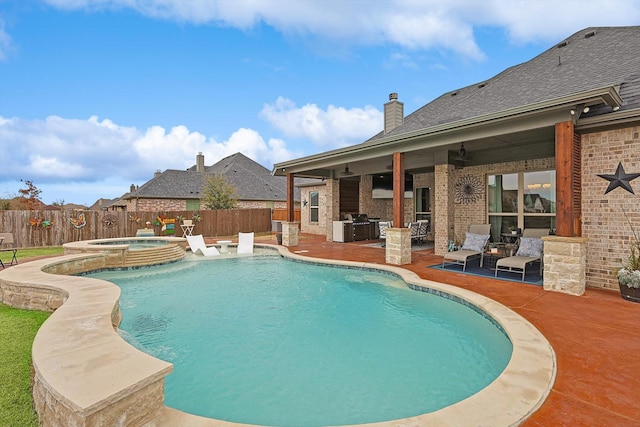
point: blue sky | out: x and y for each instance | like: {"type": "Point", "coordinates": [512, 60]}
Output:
{"type": "Point", "coordinates": [96, 95]}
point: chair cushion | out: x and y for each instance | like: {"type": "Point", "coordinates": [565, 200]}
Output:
{"type": "Point", "coordinates": [530, 246]}
{"type": "Point", "coordinates": [475, 242]}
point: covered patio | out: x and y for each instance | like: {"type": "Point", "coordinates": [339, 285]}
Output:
{"type": "Point", "coordinates": [594, 336]}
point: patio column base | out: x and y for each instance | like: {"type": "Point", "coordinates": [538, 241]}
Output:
{"type": "Point", "coordinates": [398, 246]}
{"type": "Point", "coordinates": [290, 234]}
{"type": "Point", "coordinates": [565, 268]}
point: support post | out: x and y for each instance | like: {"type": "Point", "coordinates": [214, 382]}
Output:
{"type": "Point", "coordinates": [290, 199]}
{"type": "Point", "coordinates": [398, 190]}
{"type": "Point", "coordinates": [568, 181]}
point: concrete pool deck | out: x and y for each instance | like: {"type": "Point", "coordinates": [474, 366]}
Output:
{"type": "Point", "coordinates": [595, 336]}
{"type": "Point", "coordinates": [87, 375]}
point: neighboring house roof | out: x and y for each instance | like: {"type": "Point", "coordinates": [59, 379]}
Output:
{"type": "Point", "coordinates": [170, 184]}
{"type": "Point", "coordinates": [103, 204]}
{"type": "Point", "coordinates": [590, 59]}
{"type": "Point", "coordinates": [251, 180]}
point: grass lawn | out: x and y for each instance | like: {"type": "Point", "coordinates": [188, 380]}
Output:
{"type": "Point", "coordinates": [17, 330]}
{"type": "Point", "coordinates": [22, 254]}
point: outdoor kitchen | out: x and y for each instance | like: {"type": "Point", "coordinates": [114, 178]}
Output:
{"type": "Point", "coordinates": [355, 227]}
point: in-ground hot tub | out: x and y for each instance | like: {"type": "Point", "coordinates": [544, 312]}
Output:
{"type": "Point", "coordinates": [132, 251]}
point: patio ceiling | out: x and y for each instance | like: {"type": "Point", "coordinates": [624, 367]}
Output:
{"type": "Point", "coordinates": [422, 154]}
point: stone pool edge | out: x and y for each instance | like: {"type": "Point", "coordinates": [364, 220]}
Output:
{"type": "Point", "coordinates": [85, 374]}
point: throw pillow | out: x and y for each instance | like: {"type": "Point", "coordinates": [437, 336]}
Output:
{"type": "Point", "coordinates": [475, 242]}
{"type": "Point", "coordinates": [530, 246]}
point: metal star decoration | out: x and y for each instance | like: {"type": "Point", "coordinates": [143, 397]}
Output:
{"type": "Point", "coordinates": [620, 179]}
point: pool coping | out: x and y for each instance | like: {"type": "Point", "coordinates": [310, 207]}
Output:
{"type": "Point", "coordinates": [86, 373]}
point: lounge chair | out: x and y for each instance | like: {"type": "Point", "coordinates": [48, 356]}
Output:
{"type": "Point", "coordinates": [197, 244]}
{"type": "Point", "coordinates": [245, 243]}
{"type": "Point", "coordinates": [474, 246]}
{"type": "Point", "coordinates": [529, 251]}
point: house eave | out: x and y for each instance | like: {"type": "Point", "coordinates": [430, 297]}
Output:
{"type": "Point", "coordinates": [617, 118]}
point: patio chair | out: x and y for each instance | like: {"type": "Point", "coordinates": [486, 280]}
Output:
{"type": "Point", "coordinates": [197, 245]}
{"type": "Point", "coordinates": [245, 243]}
{"type": "Point", "coordinates": [529, 251]}
{"type": "Point", "coordinates": [423, 230]}
{"type": "Point", "coordinates": [474, 246]}
{"type": "Point", "coordinates": [413, 226]}
{"type": "Point", "coordinates": [7, 244]}
{"type": "Point", "coordinates": [382, 227]}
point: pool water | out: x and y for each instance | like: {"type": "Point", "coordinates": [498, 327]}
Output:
{"type": "Point", "coordinates": [135, 245]}
{"type": "Point", "coordinates": [269, 341]}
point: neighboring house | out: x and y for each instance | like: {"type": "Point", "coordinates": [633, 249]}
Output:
{"type": "Point", "coordinates": [117, 204]}
{"type": "Point", "coordinates": [524, 149]}
{"type": "Point", "coordinates": [181, 189]}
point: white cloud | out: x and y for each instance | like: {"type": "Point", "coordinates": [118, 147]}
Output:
{"type": "Point", "coordinates": [6, 42]}
{"type": "Point", "coordinates": [522, 19]}
{"type": "Point", "coordinates": [331, 128]}
{"type": "Point", "coordinates": [90, 156]}
{"type": "Point", "coordinates": [409, 24]}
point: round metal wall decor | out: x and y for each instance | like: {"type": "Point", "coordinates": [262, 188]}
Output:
{"type": "Point", "coordinates": [468, 189]}
{"type": "Point", "coordinates": [109, 220]}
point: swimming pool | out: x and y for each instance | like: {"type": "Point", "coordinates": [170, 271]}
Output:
{"type": "Point", "coordinates": [358, 346]}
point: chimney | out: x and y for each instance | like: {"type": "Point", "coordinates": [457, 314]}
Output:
{"type": "Point", "coordinates": [393, 113]}
{"type": "Point", "coordinates": [200, 162]}
{"type": "Point", "coordinates": [132, 188]}
{"type": "Point", "coordinates": [157, 173]}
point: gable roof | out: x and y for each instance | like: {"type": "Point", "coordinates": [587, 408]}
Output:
{"type": "Point", "coordinates": [590, 59]}
{"type": "Point", "coordinates": [251, 180]}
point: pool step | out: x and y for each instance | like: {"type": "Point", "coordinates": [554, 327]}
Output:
{"type": "Point", "coordinates": [151, 256]}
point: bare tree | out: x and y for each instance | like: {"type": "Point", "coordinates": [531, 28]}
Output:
{"type": "Point", "coordinates": [30, 195]}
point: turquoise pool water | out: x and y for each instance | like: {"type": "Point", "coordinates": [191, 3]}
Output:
{"type": "Point", "coordinates": [135, 244]}
{"type": "Point", "coordinates": [269, 341]}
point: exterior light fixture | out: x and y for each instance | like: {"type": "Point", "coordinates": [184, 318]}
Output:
{"type": "Point", "coordinates": [346, 171]}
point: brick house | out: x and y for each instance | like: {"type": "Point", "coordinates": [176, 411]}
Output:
{"type": "Point", "coordinates": [523, 149]}
{"type": "Point", "coordinates": [179, 190]}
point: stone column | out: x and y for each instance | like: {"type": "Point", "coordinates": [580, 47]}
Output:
{"type": "Point", "coordinates": [290, 234]}
{"type": "Point", "coordinates": [398, 246]}
{"type": "Point", "coordinates": [443, 211]}
{"type": "Point", "coordinates": [332, 188]}
{"type": "Point", "coordinates": [565, 268]}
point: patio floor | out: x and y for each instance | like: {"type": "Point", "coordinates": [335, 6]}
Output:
{"type": "Point", "coordinates": [594, 336]}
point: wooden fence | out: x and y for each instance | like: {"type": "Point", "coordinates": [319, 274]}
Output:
{"type": "Point", "coordinates": [281, 215]}
{"type": "Point", "coordinates": [53, 228]}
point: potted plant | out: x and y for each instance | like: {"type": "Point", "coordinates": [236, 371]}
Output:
{"type": "Point", "coordinates": [629, 274]}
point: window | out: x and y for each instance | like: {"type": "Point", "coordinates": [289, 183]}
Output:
{"type": "Point", "coordinates": [193, 205]}
{"type": "Point", "coordinates": [521, 200]}
{"type": "Point", "coordinates": [314, 208]}
{"type": "Point", "coordinates": [423, 203]}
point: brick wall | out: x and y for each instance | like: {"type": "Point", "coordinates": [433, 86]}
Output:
{"type": "Point", "coordinates": [603, 221]}
{"type": "Point", "coordinates": [156, 205]}
{"type": "Point", "coordinates": [319, 227]}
